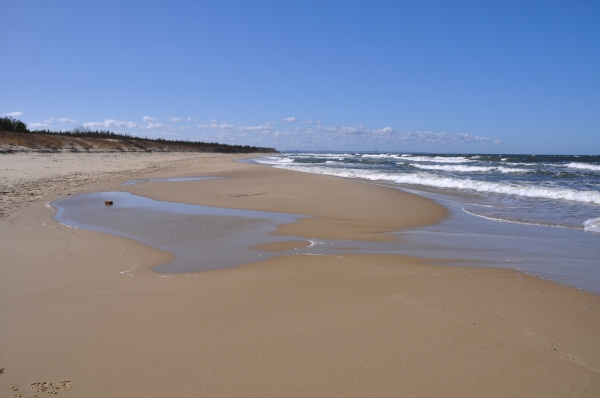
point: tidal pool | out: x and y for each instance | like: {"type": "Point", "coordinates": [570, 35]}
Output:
{"type": "Point", "coordinates": [201, 237]}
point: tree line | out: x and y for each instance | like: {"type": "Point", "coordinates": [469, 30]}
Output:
{"type": "Point", "coordinates": [10, 124]}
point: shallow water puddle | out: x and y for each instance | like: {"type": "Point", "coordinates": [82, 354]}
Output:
{"type": "Point", "coordinates": [201, 237]}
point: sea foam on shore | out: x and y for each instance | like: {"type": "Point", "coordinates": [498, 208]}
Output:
{"type": "Point", "coordinates": [551, 203]}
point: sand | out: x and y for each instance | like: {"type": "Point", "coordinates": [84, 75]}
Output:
{"type": "Point", "coordinates": [83, 315]}
{"type": "Point", "coordinates": [28, 177]}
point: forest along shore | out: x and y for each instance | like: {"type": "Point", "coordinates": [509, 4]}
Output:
{"type": "Point", "coordinates": [48, 142]}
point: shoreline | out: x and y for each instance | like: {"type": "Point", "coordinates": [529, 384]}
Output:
{"type": "Point", "coordinates": [332, 207]}
{"type": "Point", "coordinates": [86, 308]}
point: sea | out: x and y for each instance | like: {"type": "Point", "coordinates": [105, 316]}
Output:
{"type": "Point", "coordinates": [536, 213]}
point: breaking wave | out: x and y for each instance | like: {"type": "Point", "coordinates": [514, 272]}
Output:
{"type": "Point", "coordinates": [469, 169]}
{"type": "Point", "coordinates": [437, 159]}
{"type": "Point", "coordinates": [427, 179]}
{"type": "Point", "coordinates": [583, 166]}
{"type": "Point", "coordinates": [592, 225]}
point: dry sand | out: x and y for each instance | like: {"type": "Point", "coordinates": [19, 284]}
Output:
{"type": "Point", "coordinates": [29, 177]}
{"type": "Point", "coordinates": [83, 310]}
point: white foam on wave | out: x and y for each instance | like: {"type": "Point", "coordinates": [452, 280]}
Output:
{"type": "Point", "coordinates": [322, 155]}
{"type": "Point", "coordinates": [274, 160]}
{"type": "Point", "coordinates": [512, 170]}
{"type": "Point", "coordinates": [583, 166]}
{"type": "Point", "coordinates": [452, 167]}
{"type": "Point", "coordinates": [519, 163]}
{"type": "Point", "coordinates": [498, 219]}
{"type": "Point", "coordinates": [379, 156]}
{"type": "Point", "coordinates": [432, 180]}
{"type": "Point", "coordinates": [504, 220]}
{"type": "Point", "coordinates": [592, 225]}
{"type": "Point", "coordinates": [469, 169]}
{"type": "Point", "coordinates": [437, 159]}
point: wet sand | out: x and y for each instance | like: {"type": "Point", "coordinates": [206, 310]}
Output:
{"type": "Point", "coordinates": [340, 209]}
{"type": "Point", "coordinates": [83, 310]}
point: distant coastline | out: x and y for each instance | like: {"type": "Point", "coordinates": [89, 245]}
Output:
{"type": "Point", "coordinates": [15, 137]}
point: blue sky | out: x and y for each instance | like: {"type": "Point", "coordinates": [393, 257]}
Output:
{"type": "Point", "coordinates": [439, 76]}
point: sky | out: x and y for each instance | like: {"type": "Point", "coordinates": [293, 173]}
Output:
{"type": "Point", "coordinates": [403, 76]}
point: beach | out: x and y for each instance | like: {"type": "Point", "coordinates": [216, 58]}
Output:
{"type": "Point", "coordinates": [85, 311]}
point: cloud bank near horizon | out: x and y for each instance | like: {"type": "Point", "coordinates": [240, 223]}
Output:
{"type": "Point", "coordinates": [320, 136]}
{"type": "Point", "coordinates": [288, 134]}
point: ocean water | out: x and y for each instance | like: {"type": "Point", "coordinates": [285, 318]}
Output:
{"type": "Point", "coordinates": [555, 191]}
{"type": "Point", "coordinates": [537, 214]}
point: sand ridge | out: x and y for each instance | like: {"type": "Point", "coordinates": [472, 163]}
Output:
{"type": "Point", "coordinates": [340, 209]}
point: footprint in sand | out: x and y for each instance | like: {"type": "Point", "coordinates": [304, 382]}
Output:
{"type": "Point", "coordinates": [51, 388]}
{"type": "Point", "coordinates": [15, 389]}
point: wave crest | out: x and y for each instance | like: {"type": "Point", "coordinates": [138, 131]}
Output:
{"type": "Point", "coordinates": [467, 169]}
{"type": "Point", "coordinates": [583, 166]}
{"type": "Point", "coordinates": [592, 225]}
{"type": "Point", "coordinates": [427, 179]}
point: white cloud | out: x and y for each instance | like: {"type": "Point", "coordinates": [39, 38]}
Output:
{"type": "Point", "coordinates": [51, 120]}
{"type": "Point", "coordinates": [255, 128]}
{"type": "Point", "coordinates": [311, 134]}
{"type": "Point", "coordinates": [14, 114]}
{"type": "Point", "coordinates": [229, 131]}
{"type": "Point", "coordinates": [110, 123]}
{"type": "Point", "coordinates": [329, 129]}
{"type": "Point", "coordinates": [148, 119]}
{"type": "Point", "coordinates": [37, 126]}
{"type": "Point", "coordinates": [214, 125]}
{"type": "Point", "coordinates": [352, 130]}
{"type": "Point", "coordinates": [176, 119]}
{"type": "Point", "coordinates": [384, 130]}
{"type": "Point", "coordinates": [391, 136]}
{"type": "Point", "coordinates": [442, 138]}
{"type": "Point", "coordinates": [155, 126]}
{"type": "Point", "coordinates": [288, 119]}
{"type": "Point", "coordinates": [66, 120]}
{"type": "Point", "coordinates": [191, 119]}
{"type": "Point", "coordinates": [464, 137]}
